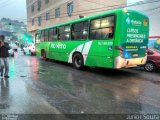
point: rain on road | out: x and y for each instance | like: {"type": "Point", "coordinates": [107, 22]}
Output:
{"type": "Point", "coordinates": [45, 87]}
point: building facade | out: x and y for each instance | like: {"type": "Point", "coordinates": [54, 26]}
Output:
{"type": "Point", "coordinates": [44, 13]}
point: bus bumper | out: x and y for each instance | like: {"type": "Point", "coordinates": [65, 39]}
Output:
{"type": "Point", "coordinates": [125, 63]}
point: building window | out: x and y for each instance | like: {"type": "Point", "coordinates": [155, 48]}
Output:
{"type": "Point", "coordinates": [46, 1]}
{"type": "Point", "coordinates": [39, 5]}
{"type": "Point", "coordinates": [39, 21]}
{"type": "Point", "coordinates": [47, 16]}
{"type": "Point", "coordinates": [57, 12]}
{"type": "Point", "coordinates": [70, 9]}
{"type": "Point", "coordinates": [32, 8]}
{"type": "Point", "coordinates": [32, 22]}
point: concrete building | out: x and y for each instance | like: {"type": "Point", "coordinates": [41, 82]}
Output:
{"type": "Point", "coordinates": [43, 13]}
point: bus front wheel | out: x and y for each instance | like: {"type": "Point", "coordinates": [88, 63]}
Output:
{"type": "Point", "coordinates": [78, 61]}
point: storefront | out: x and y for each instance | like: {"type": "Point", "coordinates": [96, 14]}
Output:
{"type": "Point", "coordinates": [154, 42]}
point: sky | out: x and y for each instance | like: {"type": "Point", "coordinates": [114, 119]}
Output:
{"type": "Point", "coordinates": [132, 1]}
{"type": "Point", "coordinates": [14, 9]}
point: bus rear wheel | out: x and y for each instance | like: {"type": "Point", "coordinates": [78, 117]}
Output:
{"type": "Point", "coordinates": [43, 54]}
{"type": "Point", "coordinates": [78, 61]}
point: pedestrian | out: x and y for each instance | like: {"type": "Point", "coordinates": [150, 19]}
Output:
{"type": "Point", "coordinates": [4, 54]}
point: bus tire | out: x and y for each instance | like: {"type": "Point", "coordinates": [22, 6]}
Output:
{"type": "Point", "coordinates": [78, 61]}
{"type": "Point", "coordinates": [150, 67]}
{"type": "Point", "coordinates": [43, 54]}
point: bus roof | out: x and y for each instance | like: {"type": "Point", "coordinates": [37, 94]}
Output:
{"type": "Point", "coordinates": [91, 17]}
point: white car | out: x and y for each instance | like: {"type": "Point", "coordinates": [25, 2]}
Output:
{"type": "Point", "coordinates": [14, 47]}
{"type": "Point", "coordinates": [11, 52]}
{"type": "Point", "coordinates": [29, 50]}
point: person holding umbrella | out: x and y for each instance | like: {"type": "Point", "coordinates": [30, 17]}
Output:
{"type": "Point", "coordinates": [4, 54]}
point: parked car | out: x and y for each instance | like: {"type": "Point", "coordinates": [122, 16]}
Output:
{"type": "Point", "coordinates": [153, 60]}
{"type": "Point", "coordinates": [14, 47]}
{"type": "Point", "coordinates": [11, 52]}
{"type": "Point", "coordinates": [29, 49]}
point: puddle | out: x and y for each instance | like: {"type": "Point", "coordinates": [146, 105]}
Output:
{"type": "Point", "coordinates": [156, 82]}
{"type": "Point", "coordinates": [23, 76]}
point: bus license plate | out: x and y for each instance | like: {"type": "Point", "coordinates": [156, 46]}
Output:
{"type": "Point", "coordinates": [135, 55]}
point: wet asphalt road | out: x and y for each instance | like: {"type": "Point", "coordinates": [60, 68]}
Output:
{"type": "Point", "coordinates": [46, 87]}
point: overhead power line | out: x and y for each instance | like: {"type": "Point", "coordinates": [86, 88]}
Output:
{"type": "Point", "coordinates": [7, 3]}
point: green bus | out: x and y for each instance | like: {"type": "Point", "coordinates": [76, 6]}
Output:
{"type": "Point", "coordinates": [113, 39]}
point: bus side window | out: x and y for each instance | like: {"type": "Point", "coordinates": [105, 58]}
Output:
{"type": "Point", "coordinates": [46, 35]}
{"type": "Point", "coordinates": [80, 31]}
{"type": "Point", "coordinates": [61, 32]}
{"type": "Point", "coordinates": [107, 25]}
{"type": "Point", "coordinates": [95, 34]}
{"type": "Point", "coordinates": [102, 28]}
{"type": "Point", "coordinates": [67, 32]}
{"type": "Point", "coordinates": [42, 36]}
{"type": "Point", "coordinates": [64, 32]}
{"type": "Point", "coordinates": [53, 34]}
{"type": "Point", "coordinates": [107, 33]}
{"type": "Point", "coordinates": [95, 31]}
{"type": "Point", "coordinates": [37, 38]}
